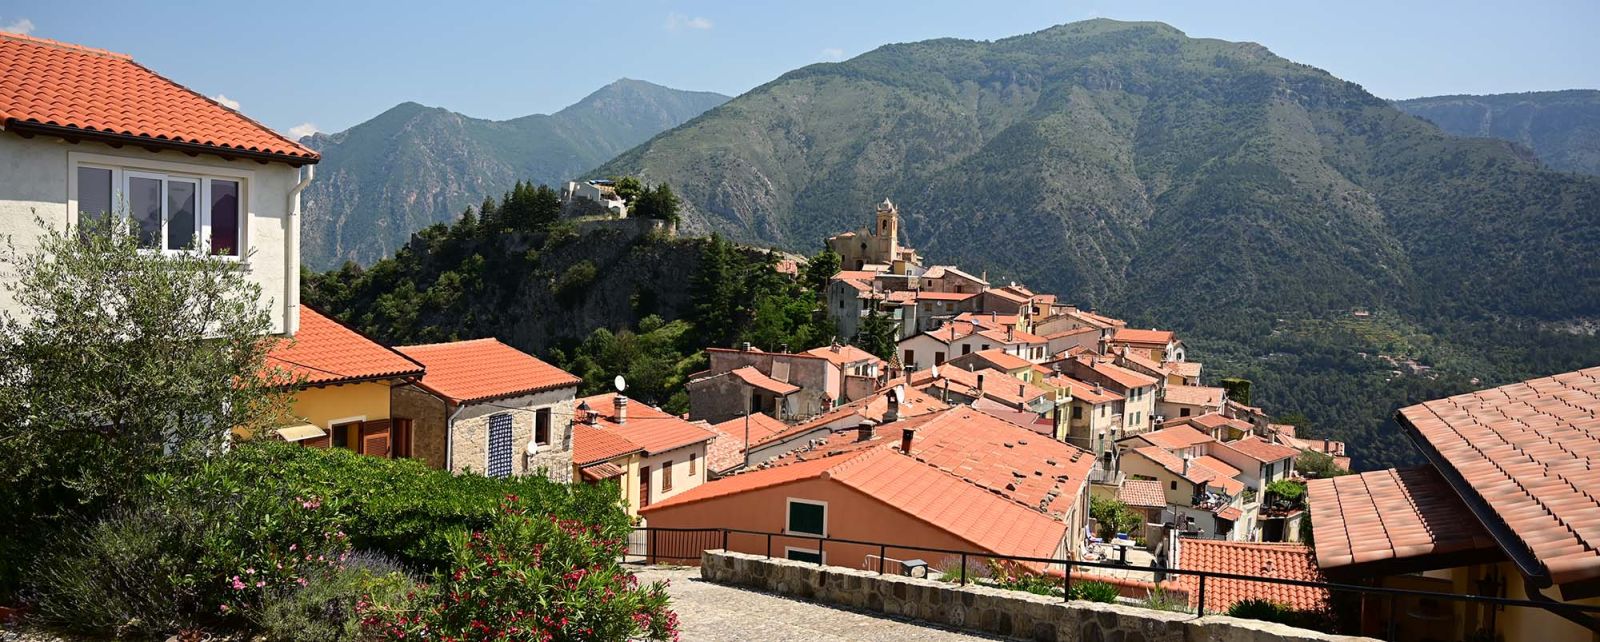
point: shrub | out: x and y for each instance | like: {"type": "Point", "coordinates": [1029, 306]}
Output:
{"type": "Point", "coordinates": [531, 578]}
{"type": "Point", "coordinates": [1114, 517]}
{"type": "Point", "coordinates": [324, 608]}
{"type": "Point", "coordinates": [1094, 592]}
{"type": "Point", "coordinates": [1036, 583]}
{"type": "Point", "coordinates": [1160, 600]}
{"type": "Point", "coordinates": [1258, 609]}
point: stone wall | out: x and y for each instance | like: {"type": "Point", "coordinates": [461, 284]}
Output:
{"type": "Point", "coordinates": [989, 610]}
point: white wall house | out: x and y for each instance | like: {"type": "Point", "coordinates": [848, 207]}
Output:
{"type": "Point", "coordinates": [187, 171]}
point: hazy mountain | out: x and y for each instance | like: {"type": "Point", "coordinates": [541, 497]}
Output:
{"type": "Point", "coordinates": [413, 166]}
{"type": "Point", "coordinates": [1561, 127]}
{"type": "Point", "coordinates": [1205, 185]}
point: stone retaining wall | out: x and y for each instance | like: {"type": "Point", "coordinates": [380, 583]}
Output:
{"type": "Point", "coordinates": [989, 610]}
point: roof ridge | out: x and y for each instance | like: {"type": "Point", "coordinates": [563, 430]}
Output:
{"type": "Point", "coordinates": [240, 114]}
{"type": "Point", "coordinates": [451, 343]}
{"type": "Point", "coordinates": [68, 46]}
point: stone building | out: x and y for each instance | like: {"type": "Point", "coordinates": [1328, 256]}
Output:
{"type": "Point", "coordinates": [486, 407]}
{"type": "Point", "coordinates": [878, 245]}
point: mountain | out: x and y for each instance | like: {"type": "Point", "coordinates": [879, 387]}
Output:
{"type": "Point", "coordinates": [1208, 186]}
{"type": "Point", "coordinates": [413, 166]}
{"type": "Point", "coordinates": [1561, 127]}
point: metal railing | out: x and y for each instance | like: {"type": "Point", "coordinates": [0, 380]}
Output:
{"type": "Point", "coordinates": [718, 538]}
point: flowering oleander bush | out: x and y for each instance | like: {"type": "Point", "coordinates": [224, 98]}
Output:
{"type": "Point", "coordinates": [531, 577]}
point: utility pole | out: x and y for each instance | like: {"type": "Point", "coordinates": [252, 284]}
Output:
{"type": "Point", "coordinates": [747, 431]}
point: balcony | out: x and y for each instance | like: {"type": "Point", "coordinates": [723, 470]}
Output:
{"type": "Point", "coordinates": [1099, 474]}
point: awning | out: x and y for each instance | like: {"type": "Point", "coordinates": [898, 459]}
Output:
{"type": "Point", "coordinates": [1231, 513]}
{"type": "Point", "coordinates": [301, 432]}
{"type": "Point", "coordinates": [602, 470]}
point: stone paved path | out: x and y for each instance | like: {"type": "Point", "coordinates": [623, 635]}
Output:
{"type": "Point", "coordinates": [715, 613]}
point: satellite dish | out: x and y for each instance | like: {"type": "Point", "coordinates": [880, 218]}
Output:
{"type": "Point", "coordinates": [620, 383]}
{"type": "Point", "coordinates": [934, 371]}
{"type": "Point", "coordinates": [533, 447]}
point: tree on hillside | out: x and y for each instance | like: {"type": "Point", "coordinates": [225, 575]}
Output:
{"type": "Point", "coordinates": [527, 208]}
{"type": "Point", "coordinates": [820, 269]}
{"type": "Point", "coordinates": [878, 334]}
{"type": "Point", "coordinates": [628, 188]}
{"type": "Point", "coordinates": [659, 203]}
{"type": "Point", "coordinates": [121, 362]}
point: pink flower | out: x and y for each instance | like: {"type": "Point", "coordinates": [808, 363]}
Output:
{"type": "Point", "coordinates": [300, 580]}
{"type": "Point", "coordinates": [237, 585]}
{"type": "Point", "coordinates": [260, 584]}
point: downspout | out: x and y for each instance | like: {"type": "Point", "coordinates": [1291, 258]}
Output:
{"type": "Point", "coordinates": [450, 437]}
{"type": "Point", "coordinates": [291, 254]}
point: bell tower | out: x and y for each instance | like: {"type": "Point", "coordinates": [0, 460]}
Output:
{"type": "Point", "coordinates": [886, 233]}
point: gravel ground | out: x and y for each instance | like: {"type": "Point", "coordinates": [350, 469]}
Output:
{"type": "Point", "coordinates": [715, 613]}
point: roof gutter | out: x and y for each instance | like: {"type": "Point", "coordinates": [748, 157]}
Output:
{"type": "Point", "coordinates": [75, 134]}
{"type": "Point", "coordinates": [1530, 567]}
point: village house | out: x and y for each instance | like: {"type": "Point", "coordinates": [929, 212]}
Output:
{"type": "Point", "coordinates": [728, 451]}
{"type": "Point", "coordinates": [342, 384]}
{"type": "Point", "coordinates": [600, 192]}
{"type": "Point", "coordinates": [1157, 345]}
{"type": "Point", "coordinates": [974, 334]}
{"type": "Point", "coordinates": [1137, 390]}
{"type": "Point", "coordinates": [894, 402]}
{"type": "Point", "coordinates": [958, 386]}
{"type": "Point", "coordinates": [943, 480]}
{"type": "Point", "coordinates": [1180, 401]}
{"type": "Point", "coordinates": [91, 134]}
{"type": "Point", "coordinates": [485, 407]}
{"type": "Point", "coordinates": [652, 455]}
{"type": "Point", "coordinates": [1093, 419]}
{"type": "Point", "coordinates": [1219, 426]}
{"type": "Point", "coordinates": [1504, 506]}
{"type": "Point", "coordinates": [1204, 496]}
{"type": "Point", "coordinates": [787, 386]}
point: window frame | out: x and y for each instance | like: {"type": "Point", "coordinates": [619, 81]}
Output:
{"type": "Point", "coordinates": [666, 475]}
{"type": "Point", "coordinates": [822, 556]}
{"type": "Point", "coordinates": [788, 516]}
{"type": "Point", "coordinates": [123, 167]}
{"type": "Point", "coordinates": [542, 422]}
{"type": "Point", "coordinates": [692, 470]}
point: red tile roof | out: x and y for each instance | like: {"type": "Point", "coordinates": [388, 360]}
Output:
{"type": "Point", "coordinates": [755, 378]}
{"type": "Point", "coordinates": [997, 385]}
{"type": "Point", "coordinates": [762, 427]}
{"type": "Point", "coordinates": [1187, 369]}
{"type": "Point", "coordinates": [1202, 470]}
{"type": "Point", "coordinates": [1390, 515]}
{"type": "Point", "coordinates": [484, 369]}
{"type": "Point", "coordinates": [1115, 373]}
{"type": "Point", "coordinates": [1194, 395]}
{"type": "Point", "coordinates": [600, 471]}
{"type": "Point", "coordinates": [1175, 438]}
{"type": "Point", "coordinates": [1134, 336]}
{"type": "Point", "coordinates": [1531, 452]}
{"type": "Point", "coordinates": [71, 90]}
{"type": "Point", "coordinates": [1282, 561]}
{"type": "Point", "coordinates": [843, 355]}
{"type": "Point", "coordinates": [998, 358]}
{"type": "Point", "coordinates": [590, 445]}
{"type": "Point", "coordinates": [978, 477]}
{"type": "Point", "coordinates": [1142, 493]}
{"type": "Point", "coordinates": [1261, 450]}
{"type": "Point", "coordinates": [646, 427]}
{"type": "Point", "coordinates": [325, 352]}
{"type": "Point", "coordinates": [1210, 422]}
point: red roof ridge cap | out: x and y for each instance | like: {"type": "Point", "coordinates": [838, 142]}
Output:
{"type": "Point", "coordinates": [66, 45]}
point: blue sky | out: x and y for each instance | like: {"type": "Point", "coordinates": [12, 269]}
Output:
{"type": "Point", "coordinates": [334, 64]}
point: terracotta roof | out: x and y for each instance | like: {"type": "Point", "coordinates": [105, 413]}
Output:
{"type": "Point", "coordinates": [999, 358]}
{"type": "Point", "coordinates": [990, 319]}
{"type": "Point", "coordinates": [1260, 449]}
{"type": "Point", "coordinates": [726, 451]}
{"type": "Point", "coordinates": [602, 470]}
{"type": "Point", "coordinates": [1084, 391]}
{"type": "Point", "coordinates": [1011, 336]}
{"type": "Point", "coordinates": [1231, 513]}
{"type": "Point", "coordinates": [590, 445]}
{"type": "Point", "coordinates": [1194, 395]}
{"type": "Point", "coordinates": [325, 352]}
{"type": "Point", "coordinates": [1021, 418]}
{"type": "Point", "coordinates": [1202, 470]}
{"type": "Point", "coordinates": [1142, 337]}
{"type": "Point", "coordinates": [1188, 369]}
{"type": "Point", "coordinates": [1389, 515]}
{"type": "Point", "coordinates": [69, 90]}
{"type": "Point", "coordinates": [1282, 561]}
{"type": "Point", "coordinates": [762, 427]}
{"type": "Point", "coordinates": [944, 296]}
{"type": "Point", "coordinates": [1142, 493]}
{"type": "Point", "coordinates": [1531, 452]}
{"type": "Point", "coordinates": [1210, 421]}
{"type": "Point", "coordinates": [646, 427]}
{"type": "Point", "coordinates": [755, 378]}
{"type": "Point", "coordinates": [843, 355]}
{"type": "Point", "coordinates": [1115, 373]}
{"type": "Point", "coordinates": [1009, 296]}
{"type": "Point", "coordinates": [975, 476]}
{"type": "Point", "coordinates": [1175, 438]}
{"type": "Point", "coordinates": [1098, 319]}
{"type": "Point", "coordinates": [997, 385]}
{"type": "Point", "coordinates": [484, 369]}
{"type": "Point", "coordinates": [1072, 331]}
{"type": "Point", "coordinates": [1145, 363]}
{"type": "Point", "coordinates": [913, 403]}
{"type": "Point", "coordinates": [856, 275]}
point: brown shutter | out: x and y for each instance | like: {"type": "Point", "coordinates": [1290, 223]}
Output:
{"type": "Point", "coordinates": [375, 437]}
{"type": "Point", "coordinates": [402, 437]}
{"type": "Point", "coordinates": [317, 442]}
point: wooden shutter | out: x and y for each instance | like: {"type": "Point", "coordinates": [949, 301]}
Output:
{"type": "Point", "coordinates": [402, 437]}
{"type": "Point", "coordinates": [316, 442]}
{"type": "Point", "coordinates": [376, 437]}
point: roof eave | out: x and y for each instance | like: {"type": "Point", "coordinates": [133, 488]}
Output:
{"type": "Point", "coordinates": [74, 134]}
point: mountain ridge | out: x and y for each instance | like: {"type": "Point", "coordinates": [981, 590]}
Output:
{"type": "Point", "coordinates": [1561, 127]}
{"type": "Point", "coordinates": [413, 165]}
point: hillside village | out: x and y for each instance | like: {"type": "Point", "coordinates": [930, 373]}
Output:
{"type": "Point", "coordinates": [1002, 422]}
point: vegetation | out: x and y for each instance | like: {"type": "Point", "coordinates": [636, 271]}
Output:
{"type": "Point", "coordinates": [1257, 609]}
{"type": "Point", "coordinates": [1112, 517]}
{"type": "Point", "coordinates": [85, 412]}
{"type": "Point", "coordinates": [1561, 127]}
{"type": "Point", "coordinates": [1137, 145]}
{"type": "Point", "coordinates": [1315, 465]}
{"type": "Point", "coordinates": [1094, 592]}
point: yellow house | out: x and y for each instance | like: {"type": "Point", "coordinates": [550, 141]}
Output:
{"type": "Point", "coordinates": [1504, 508]}
{"type": "Point", "coordinates": [342, 396]}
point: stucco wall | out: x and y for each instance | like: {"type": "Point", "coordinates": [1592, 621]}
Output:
{"type": "Point", "coordinates": [1006, 613]}
{"type": "Point", "coordinates": [325, 406]}
{"type": "Point", "coordinates": [37, 179]}
{"type": "Point", "coordinates": [681, 479]}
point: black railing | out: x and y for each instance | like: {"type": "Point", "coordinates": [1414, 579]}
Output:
{"type": "Point", "coordinates": [720, 538]}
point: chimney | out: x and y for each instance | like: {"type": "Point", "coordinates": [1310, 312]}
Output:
{"type": "Point", "coordinates": [1186, 463]}
{"type": "Point", "coordinates": [980, 383]}
{"type": "Point", "coordinates": [867, 430]}
{"type": "Point", "coordinates": [893, 413]}
{"type": "Point", "coordinates": [745, 347]}
{"type": "Point", "coordinates": [1327, 448]}
{"type": "Point", "coordinates": [835, 347]}
{"type": "Point", "coordinates": [994, 316]}
{"type": "Point", "coordinates": [906, 435]}
{"type": "Point", "coordinates": [1011, 333]}
{"type": "Point", "coordinates": [620, 404]}
{"type": "Point", "coordinates": [784, 348]}
{"type": "Point", "coordinates": [1022, 389]}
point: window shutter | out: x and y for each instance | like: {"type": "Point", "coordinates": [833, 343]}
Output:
{"type": "Point", "coordinates": [376, 437]}
{"type": "Point", "coordinates": [402, 437]}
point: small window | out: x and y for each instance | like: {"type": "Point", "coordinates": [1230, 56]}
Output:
{"type": "Point", "coordinates": [1174, 485]}
{"type": "Point", "coordinates": [666, 476]}
{"type": "Point", "coordinates": [966, 349]}
{"type": "Point", "coordinates": [911, 357]}
{"type": "Point", "coordinates": [346, 435]}
{"type": "Point", "coordinates": [803, 555]}
{"type": "Point", "coordinates": [1183, 412]}
{"type": "Point", "coordinates": [692, 458]}
{"type": "Point", "coordinates": [938, 358]}
{"type": "Point", "coordinates": [1077, 412]}
{"type": "Point", "coordinates": [807, 517]}
{"type": "Point", "coordinates": [224, 218]}
{"type": "Point", "coordinates": [541, 426]}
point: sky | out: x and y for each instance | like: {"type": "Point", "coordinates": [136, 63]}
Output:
{"type": "Point", "coordinates": [325, 66]}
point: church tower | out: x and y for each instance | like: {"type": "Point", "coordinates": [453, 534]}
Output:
{"type": "Point", "coordinates": [886, 234]}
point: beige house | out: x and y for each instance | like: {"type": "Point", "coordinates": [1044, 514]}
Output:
{"type": "Point", "coordinates": [653, 455]}
{"type": "Point", "coordinates": [485, 407]}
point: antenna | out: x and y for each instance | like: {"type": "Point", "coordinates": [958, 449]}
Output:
{"type": "Point", "coordinates": [620, 383]}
